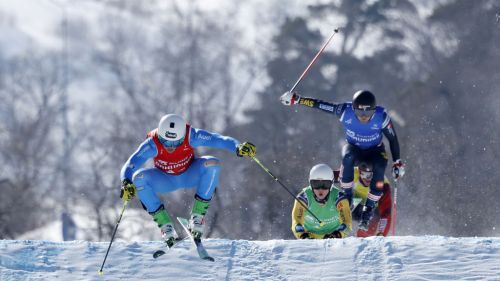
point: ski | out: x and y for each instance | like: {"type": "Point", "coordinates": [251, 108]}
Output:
{"type": "Point", "coordinates": [159, 253]}
{"type": "Point", "coordinates": [202, 252]}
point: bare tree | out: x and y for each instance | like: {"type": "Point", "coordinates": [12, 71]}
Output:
{"type": "Point", "coordinates": [179, 58]}
{"type": "Point", "coordinates": [31, 93]}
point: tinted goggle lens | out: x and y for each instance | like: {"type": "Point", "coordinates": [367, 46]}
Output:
{"type": "Point", "coordinates": [321, 184]}
{"type": "Point", "coordinates": [364, 113]}
{"type": "Point", "coordinates": [366, 175]}
{"type": "Point", "coordinates": [168, 143]}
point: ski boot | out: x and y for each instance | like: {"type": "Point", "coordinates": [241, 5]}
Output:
{"type": "Point", "coordinates": [365, 218]}
{"type": "Point", "coordinates": [166, 226]}
{"type": "Point", "coordinates": [168, 234]}
{"type": "Point", "coordinates": [197, 220]}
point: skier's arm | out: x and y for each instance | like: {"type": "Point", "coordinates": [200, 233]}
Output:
{"type": "Point", "coordinates": [146, 150]}
{"type": "Point", "coordinates": [345, 217]}
{"type": "Point", "coordinates": [390, 134]}
{"type": "Point", "coordinates": [298, 214]}
{"type": "Point", "coordinates": [332, 108]}
{"type": "Point", "coordinates": [199, 137]}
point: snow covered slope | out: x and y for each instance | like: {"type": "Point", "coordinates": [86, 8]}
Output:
{"type": "Point", "coordinates": [375, 258]}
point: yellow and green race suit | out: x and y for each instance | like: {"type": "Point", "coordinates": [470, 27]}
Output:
{"type": "Point", "coordinates": [334, 213]}
{"type": "Point", "coordinates": [361, 191]}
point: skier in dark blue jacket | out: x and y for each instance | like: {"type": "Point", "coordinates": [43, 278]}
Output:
{"type": "Point", "coordinates": [365, 123]}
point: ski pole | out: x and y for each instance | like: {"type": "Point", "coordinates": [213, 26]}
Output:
{"type": "Point", "coordinates": [336, 30]}
{"type": "Point", "coordinates": [394, 206]}
{"type": "Point", "coordinates": [277, 180]}
{"type": "Point", "coordinates": [113, 236]}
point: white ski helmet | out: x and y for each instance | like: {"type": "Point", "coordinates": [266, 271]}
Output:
{"type": "Point", "coordinates": [321, 172]}
{"type": "Point", "coordinates": [172, 128]}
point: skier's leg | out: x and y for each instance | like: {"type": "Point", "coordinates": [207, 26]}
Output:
{"type": "Point", "coordinates": [379, 163]}
{"type": "Point", "coordinates": [372, 228]}
{"type": "Point", "coordinates": [208, 169]}
{"type": "Point", "coordinates": [378, 158]}
{"type": "Point", "coordinates": [362, 192]}
{"type": "Point", "coordinates": [384, 209]}
{"type": "Point", "coordinates": [149, 182]}
{"type": "Point", "coordinates": [349, 155]}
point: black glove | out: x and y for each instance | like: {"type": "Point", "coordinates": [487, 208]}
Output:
{"type": "Point", "coordinates": [335, 234]}
{"type": "Point", "coordinates": [305, 235]}
{"type": "Point", "coordinates": [128, 190]}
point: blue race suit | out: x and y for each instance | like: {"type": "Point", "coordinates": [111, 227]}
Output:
{"type": "Point", "coordinates": [202, 173]}
{"type": "Point", "coordinates": [364, 142]}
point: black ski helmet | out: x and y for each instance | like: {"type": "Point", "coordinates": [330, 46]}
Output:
{"type": "Point", "coordinates": [364, 100]}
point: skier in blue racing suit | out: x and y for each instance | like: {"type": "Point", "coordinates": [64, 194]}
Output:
{"type": "Point", "coordinates": [364, 123]}
{"type": "Point", "coordinates": [171, 146]}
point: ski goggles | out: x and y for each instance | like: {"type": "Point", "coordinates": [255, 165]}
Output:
{"type": "Point", "coordinates": [366, 175]}
{"type": "Point", "coordinates": [168, 143]}
{"type": "Point", "coordinates": [364, 113]}
{"type": "Point", "coordinates": [321, 184]}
